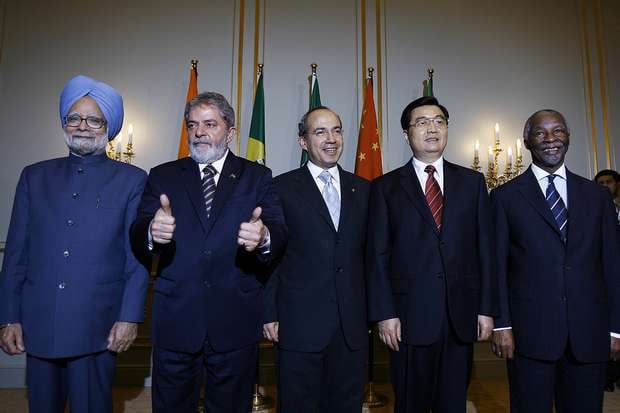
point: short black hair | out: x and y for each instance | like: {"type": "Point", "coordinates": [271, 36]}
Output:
{"type": "Point", "coordinates": [405, 118]}
{"type": "Point", "coordinates": [527, 129]}
{"type": "Point", "coordinates": [607, 172]}
{"type": "Point", "coordinates": [302, 127]}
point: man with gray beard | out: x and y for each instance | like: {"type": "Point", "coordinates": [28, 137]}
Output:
{"type": "Point", "coordinates": [216, 223]}
{"type": "Point", "coordinates": [71, 291]}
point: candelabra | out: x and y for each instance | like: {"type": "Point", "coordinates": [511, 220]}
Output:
{"type": "Point", "coordinates": [494, 175]}
{"type": "Point", "coordinates": [117, 153]}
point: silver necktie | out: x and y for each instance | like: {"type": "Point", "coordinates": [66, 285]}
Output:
{"type": "Point", "coordinates": [330, 195]}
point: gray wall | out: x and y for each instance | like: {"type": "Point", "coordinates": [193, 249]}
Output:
{"type": "Point", "coordinates": [494, 61]}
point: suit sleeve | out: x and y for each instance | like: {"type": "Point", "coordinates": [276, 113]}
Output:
{"type": "Point", "coordinates": [378, 249]}
{"type": "Point", "coordinates": [611, 261]}
{"type": "Point", "coordinates": [148, 205]}
{"type": "Point", "coordinates": [489, 300]}
{"type": "Point", "coordinates": [501, 248]}
{"type": "Point", "coordinates": [136, 276]}
{"type": "Point", "coordinates": [272, 216]}
{"type": "Point", "coordinates": [15, 263]}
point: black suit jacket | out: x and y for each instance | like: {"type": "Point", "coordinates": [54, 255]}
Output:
{"type": "Point", "coordinates": [415, 272]}
{"type": "Point", "coordinates": [553, 293]}
{"type": "Point", "coordinates": [208, 286]}
{"type": "Point", "coordinates": [319, 282]}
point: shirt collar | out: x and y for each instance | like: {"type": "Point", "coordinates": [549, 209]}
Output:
{"type": "Point", "coordinates": [315, 171]}
{"type": "Point", "coordinates": [87, 159]}
{"type": "Point", "coordinates": [541, 174]}
{"type": "Point", "coordinates": [218, 165]}
{"type": "Point", "coordinates": [419, 166]}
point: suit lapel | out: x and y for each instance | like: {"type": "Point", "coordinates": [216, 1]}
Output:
{"type": "Point", "coordinates": [410, 183]}
{"type": "Point", "coordinates": [347, 197]}
{"type": "Point", "coordinates": [530, 189]}
{"type": "Point", "coordinates": [450, 193]}
{"type": "Point", "coordinates": [576, 208]}
{"type": "Point", "coordinates": [193, 186]}
{"type": "Point", "coordinates": [230, 175]}
{"type": "Point", "coordinates": [310, 192]}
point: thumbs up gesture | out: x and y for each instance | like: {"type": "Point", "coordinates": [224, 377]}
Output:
{"type": "Point", "coordinates": [163, 224]}
{"type": "Point", "coordinates": [252, 233]}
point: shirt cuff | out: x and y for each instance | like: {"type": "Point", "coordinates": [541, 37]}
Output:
{"type": "Point", "coordinates": [149, 237]}
{"type": "Point", "coordinates": [615, 335]}
{"type": "Point", "coordinates": [502, 328]}
{"type": "Point", "coordinates": [265, 246]}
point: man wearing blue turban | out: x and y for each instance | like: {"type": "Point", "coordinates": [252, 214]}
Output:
{"type": "Point", "coordinates": [71, 291]}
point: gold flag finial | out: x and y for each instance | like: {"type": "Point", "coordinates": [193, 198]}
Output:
{"type": "Point", "coordinates": [371, 70]}
{"type": "Point", "coordinates": [314, 66]}
{"type": "Point", "coordinates": [260, 68]}
{"type": "Point", "coordinates": [430, 71]}
{"type": "Point", "coordinates": [194, 64]}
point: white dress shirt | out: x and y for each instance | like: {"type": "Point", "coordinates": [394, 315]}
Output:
{"type": "Point", "coordinates": [315, 171]}
{"type": "Point", "coordinates": [218, 165]}
{"type": "Point", "coordinates": [419, 166]}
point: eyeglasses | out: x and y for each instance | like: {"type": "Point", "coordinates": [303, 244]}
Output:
{"type": "Point", "coordinates": [438, 121]}
{"type": "Point", "coordinates": [92, 122]}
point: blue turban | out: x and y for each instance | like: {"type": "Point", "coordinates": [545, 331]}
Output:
{"type": "Point", "coordinates": [109, 100]}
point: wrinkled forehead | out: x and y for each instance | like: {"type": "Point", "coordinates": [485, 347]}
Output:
{"type": "Point", "coordinates": [86, 106]}
{"type": "Point", "coordinates": [548, 120]}
{"type": "Point", "coordinates": [205, 112]}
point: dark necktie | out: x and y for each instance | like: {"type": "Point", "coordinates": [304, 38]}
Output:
{"type": "Point", "coordinates": [558, 209]}
{"type": "Point", "coordinates": [434, 198]}
{"type": "Point", "coordinates": [208, 187]}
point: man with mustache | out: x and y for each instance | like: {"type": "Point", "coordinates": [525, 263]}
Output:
{"type": "Point", "coordinates": [71, 291]}
{"type": "Point", "coordinates": [215, 221]}
{"type": "Point", "coordinates": [556, 247]}
{"type": "Point", "coordinates": [431, 284]}
{"type": "Point", "coordinates": [316, 303]}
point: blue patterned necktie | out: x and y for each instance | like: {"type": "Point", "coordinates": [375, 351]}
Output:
{"type": "Point", "coordinates": [330, 195]}
{"type": "Point", "coordinates": [208, 187]}
{"type": "Point", "coordinates": [558, 209]}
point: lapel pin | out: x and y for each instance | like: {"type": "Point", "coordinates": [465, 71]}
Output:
{"type": "Point", "coordinates": [233, 176]}
{"type": "Point", "coordinates": [352, 189]}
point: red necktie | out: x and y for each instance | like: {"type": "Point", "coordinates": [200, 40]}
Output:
{"type": "Point", "coordinates": [434, 199]}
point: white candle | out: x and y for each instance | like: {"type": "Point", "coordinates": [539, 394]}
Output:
{"type": "Point", "coordinates": [476, 148]}
{"type": "Point", "coordinates": [510, 155]}
{"type": "Point", "coordinates": [130, 134]}
{"type": "Point", "coordinates": [119, 144]}
{"type": "Point", "coordinates": [496, 131]}
{"type": "Point", "coordinates": [491, 157]}
{"type": "Point", "coordinates": [518, 147]}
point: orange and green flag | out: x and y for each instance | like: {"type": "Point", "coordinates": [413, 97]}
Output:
{"type": "Point", "coordinates": [368, 163]}
{"type": "Point", "coordinates": [256, 140]}
{"type": "Point", "coordinates": [192, 90]}
{"type": "Point", "coordinates": [315, 101]}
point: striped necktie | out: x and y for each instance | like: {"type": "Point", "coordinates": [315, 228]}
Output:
{"type": "Point", "coordinates": [556, 204]}
{"type": "Point", "coordinates": [330, 195]}
{"type": "Point", "coordinates": [434, 198]}
{"type": "Point", "coordinates": [208, 187]}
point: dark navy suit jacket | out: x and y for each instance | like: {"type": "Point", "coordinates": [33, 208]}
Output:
{"type": "Point", "coordinates": [416, 273]}
{"type": "Point", "coordinates": [552, 293]}
{"type": "Point", "coordinates": [319, 284]}
{"type": "Point", "coordinates": [68, 271]}
{"type": "Point", "coordinates": [209, 287]}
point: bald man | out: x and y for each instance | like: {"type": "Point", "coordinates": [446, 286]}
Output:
{"type": "Point", "coordinates": [71, 292]}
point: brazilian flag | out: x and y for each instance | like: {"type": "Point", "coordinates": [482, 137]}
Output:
{"type": "Point", "coordinates": [315, 101]}
{"type": "Point", "coordinates": [256, 140]}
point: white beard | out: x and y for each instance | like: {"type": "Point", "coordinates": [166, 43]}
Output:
{"type": "Point", "coordinates": [210, 155]}
{"type": "Point", "coordinates": [86, 146]}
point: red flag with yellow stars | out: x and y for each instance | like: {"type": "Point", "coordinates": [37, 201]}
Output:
{"type": "Point", "coordinates": [368, 162]}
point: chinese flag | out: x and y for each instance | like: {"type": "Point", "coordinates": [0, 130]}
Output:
{"type": "Point", "coordinates": [368, 160]}
{"type": "Point", "coordinates": [192, 90]}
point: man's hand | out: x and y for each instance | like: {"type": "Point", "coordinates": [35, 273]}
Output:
{"type": "Point", "coordinates": [163, 224]}
{"type": "Point", "coordinates": [485, 327]}
{"type": "Point", "coordinates": [270, 331]}
{"type": "Point", "coordinates": [252, 233]}
{"type": "Point", "coordinates": [614, 354]}
{"type": "Point", "coordinates": [121, 336]}
{"type": "Point", "coordinates": [12, 339]}
{"type": "Point", "coordinates": [389, 332]}
{"type": "Point", "coordinates": [503, 343]}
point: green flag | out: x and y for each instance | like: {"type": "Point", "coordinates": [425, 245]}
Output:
{"type": "Point", "coordinates": [315, 101]}
{"type": "Point", "coordinates": [256, 140]}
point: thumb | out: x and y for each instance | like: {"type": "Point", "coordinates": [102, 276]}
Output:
{"type": "Point", "coordinates": [256, 214]}
{"type": "Point", "coordinates": [165, 204]}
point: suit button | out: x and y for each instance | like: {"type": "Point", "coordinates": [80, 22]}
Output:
{"type": "Point", "coordinates": [62, 286]}
{"type": "Point", "coordinates": [567, 268]}
{"type": "Point", "coordinates": [75, 195]}
{"type": "Point", "coordinates": [80, 170]}
{"type": "Point", "coordinates": [206, 252]}
{"type": "Point", "coordinates": [440, 275]}
{"type": "Point", "coordinates": [338, 241]}
{"type": "Point", "coordinates": [65, 253]}
{"type": "Point", "coordinates": [340, 270]}
{"type": "Point", "coordinates": [70, 222]}
{"type": "Point", "coordinates": [563, 298]}
{"type": "Point", "coordinates": [207, 284]}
